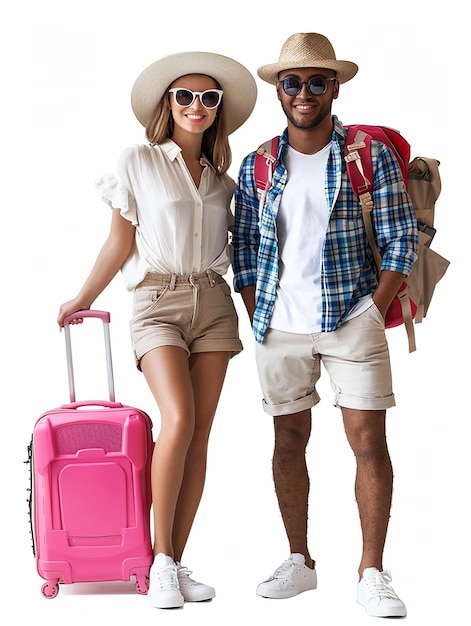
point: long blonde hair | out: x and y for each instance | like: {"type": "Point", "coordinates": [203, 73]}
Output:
{"type": "Point", "coordinates": [215, 145]}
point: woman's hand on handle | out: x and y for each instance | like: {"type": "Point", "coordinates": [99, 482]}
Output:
{"type": "Point", "coordinates": [67, 309]}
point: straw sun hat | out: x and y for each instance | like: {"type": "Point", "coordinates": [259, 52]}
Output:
{"type": "Point", "coordinates": [238, 84]}
{"type": "Point", "coordinates": [308, 50]}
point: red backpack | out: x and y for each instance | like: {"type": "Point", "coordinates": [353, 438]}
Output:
{"type": "Point", "coordinates": [409, 302]}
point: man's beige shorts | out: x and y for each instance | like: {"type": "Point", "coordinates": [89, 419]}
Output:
{"type": "Point", "coordinates": [195, 312]}
{"type": "Point", "coordinates": [355, 356]}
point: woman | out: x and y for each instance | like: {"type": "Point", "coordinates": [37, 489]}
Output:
{"type": "Point", "coordinates": [171, 213]}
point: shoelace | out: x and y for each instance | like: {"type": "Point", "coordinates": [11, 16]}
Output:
{"type": "Point", "coordinates": [184, 575]}
{"type": "Point", "coordinates": [284, 569]}
{"type": "Point", "coordinates": [166, 577]}
{"type": "Point", "coordinates": [379, 586]}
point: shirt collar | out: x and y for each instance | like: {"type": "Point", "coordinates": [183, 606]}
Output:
{"type": "Point", "coordinates": [338, 128]}
{"type": "Point", "coordinates": [173, 150]}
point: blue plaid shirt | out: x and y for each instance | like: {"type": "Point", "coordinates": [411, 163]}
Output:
{"type": "Point", "coordinates": [348, 269]}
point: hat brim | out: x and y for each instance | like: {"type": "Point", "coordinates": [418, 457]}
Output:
{"type": "Point", "coordinates": [238, 84]}
{"type": "Point", "coordinates": [345, 70]}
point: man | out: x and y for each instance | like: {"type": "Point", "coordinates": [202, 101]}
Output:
{"type": "Point", "coordinates": [307, 277]}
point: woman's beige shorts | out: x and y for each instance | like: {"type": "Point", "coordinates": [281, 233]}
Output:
{"type": "Point", "coordinates": [355, 356]}
{"type": "Point", "coordinates": [194, 312]}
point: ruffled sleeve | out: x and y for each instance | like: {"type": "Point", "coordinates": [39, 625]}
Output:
{"type": "Point", "coordinates": [117, 196]}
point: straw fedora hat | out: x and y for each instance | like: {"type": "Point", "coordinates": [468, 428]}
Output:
{"type": "Point", "coordinates": [238, 84]}
{"type": "Point", "coordinates": [308, 50]}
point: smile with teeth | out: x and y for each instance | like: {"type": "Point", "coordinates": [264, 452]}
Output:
{"type": "Point", "coordinates": [304, 107]}
{"type": "Point", "coordinates": [193, 116]}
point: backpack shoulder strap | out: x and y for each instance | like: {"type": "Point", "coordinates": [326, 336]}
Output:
{"type": "Point", "coordinates": [264, 165]}
{"type": "Point", "coordinates": [360, 172]}
{"type": "Point", "coordinates": [358, 160]}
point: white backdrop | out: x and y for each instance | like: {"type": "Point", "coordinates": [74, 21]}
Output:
{"type": "Point", "coordinates": [66, 111]}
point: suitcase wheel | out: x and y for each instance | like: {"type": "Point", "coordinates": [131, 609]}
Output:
{"type": "Point", "coordinates": [50, 590]}
{"type": "Point", "coordinates": [142, 584]}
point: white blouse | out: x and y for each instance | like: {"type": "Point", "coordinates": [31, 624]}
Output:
{"type": "Point", "coordinates": [180, 229]}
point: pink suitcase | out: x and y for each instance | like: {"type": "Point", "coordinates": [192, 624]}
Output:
{"type": "Point", "coordinates": [90, 491]}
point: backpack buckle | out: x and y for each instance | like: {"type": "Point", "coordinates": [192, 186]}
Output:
{"type": "Point", "coordinates": [352, 155]}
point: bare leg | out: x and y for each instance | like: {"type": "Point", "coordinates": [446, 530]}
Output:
{"type": "Point", "coordinates": [291, 477]}
{"type": "Point", "coordinates": [167, 373]}
{"type": "Point", "coordinates": [187, 392]}
{"type": "Point", "coordinates": [366, 433]}
{"type": "Point", "coordinates": [207, 372]}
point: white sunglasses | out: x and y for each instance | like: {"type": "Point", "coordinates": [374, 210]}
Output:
{"type": "Point", "coordinates": [210, 98]}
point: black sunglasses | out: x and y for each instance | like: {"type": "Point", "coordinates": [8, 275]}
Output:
{"type": "Point", "coordinates": [210, 98]}
{"type": "Point", "coordinates": [317, 85]}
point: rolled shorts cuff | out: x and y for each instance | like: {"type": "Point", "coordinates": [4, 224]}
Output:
{"type": "Point", "coordinates": [364, 404]}
{"type": "Point", "coordinates": [290, 408]}
{"type": "Point", "coordinates": [234, 346]}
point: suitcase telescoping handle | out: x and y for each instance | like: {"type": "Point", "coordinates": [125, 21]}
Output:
{"type": "Point", "coordinates": [105, 318]}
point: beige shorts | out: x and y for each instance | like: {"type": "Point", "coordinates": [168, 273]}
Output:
{"type": "Point", "coordinates": [194, 312]}
{"type": "Point", "coordinates": [355, 356]}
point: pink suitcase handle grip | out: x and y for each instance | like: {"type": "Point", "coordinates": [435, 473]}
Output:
{"type": "Point", "coordinates": [103, 315]}
{"type": "Point", "coordinates": [104, 403]}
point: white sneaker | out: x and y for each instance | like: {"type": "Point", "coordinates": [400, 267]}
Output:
{"type": "Point", "coordinates": [291, 578]}
{"type": "Point", "coordinates": [164, 592]}
{"type": "Point", "coordinates": [377, 596]}
{"type": "Point", "coordinates": [192, 590]}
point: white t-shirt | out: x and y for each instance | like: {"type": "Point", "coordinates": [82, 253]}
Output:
{"type": "Point", "coordinates": [302, 221]}
{"type": "Point", "coordinates": [180, 229]}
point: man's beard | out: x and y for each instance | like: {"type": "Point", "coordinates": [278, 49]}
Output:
{"type": "Point", "coordinates": [323, 111]}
